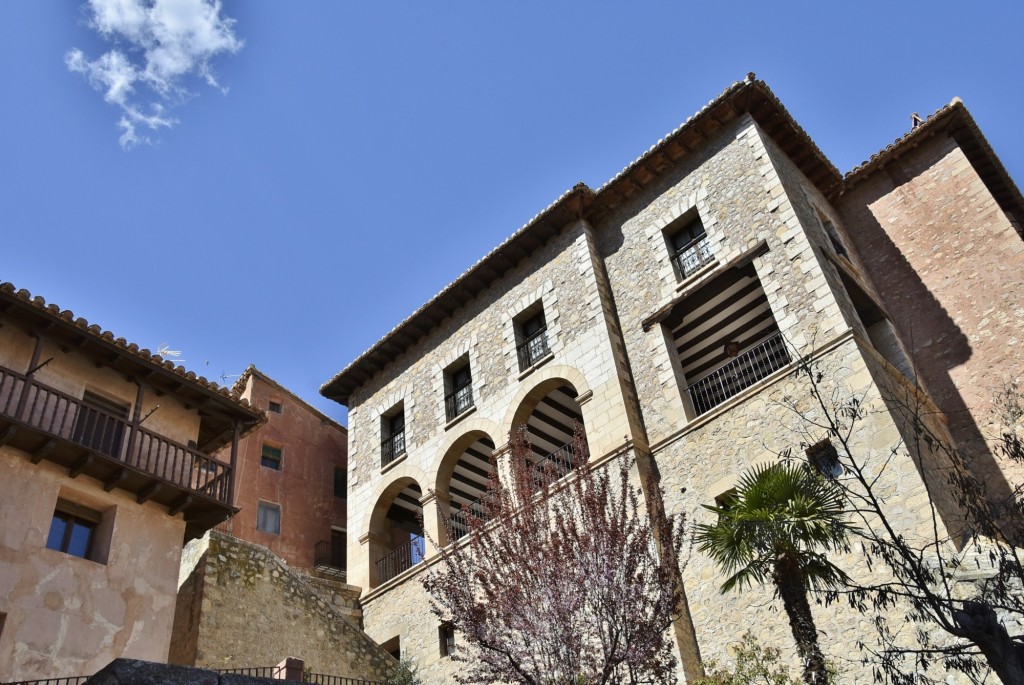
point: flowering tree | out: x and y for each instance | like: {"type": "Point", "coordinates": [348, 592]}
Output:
{"type": "Point", "coordinates": [561, 579]}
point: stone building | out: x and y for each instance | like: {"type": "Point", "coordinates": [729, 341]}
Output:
{"type": "Point", "coordinates": [290, 479]}
{"type": "Point", "coordinates": [665, 312]}
{"type": "Point", "coordinates": [105, 471]}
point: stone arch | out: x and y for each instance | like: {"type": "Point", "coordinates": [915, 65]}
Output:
{"type": "Point", "coordinates": [395, 530]}
{"type": "Point", "coordinates": [536, 386]}
{"type": "Point", "coordinates": [462, 478]}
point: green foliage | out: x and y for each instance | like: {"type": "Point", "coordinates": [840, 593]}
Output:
{"type": "Point", "coordinates": [405, 674]}
{"type": "Point", "coordinates": [755, 665]}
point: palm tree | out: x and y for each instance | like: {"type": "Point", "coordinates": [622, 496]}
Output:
{"type": "Point", "coordinates": [777, 527]}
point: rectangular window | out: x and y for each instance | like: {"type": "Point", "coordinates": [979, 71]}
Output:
{"type": "Point", "coordinates": [458, 389]}
{"type": "Point", "coordinates": [73, 529]}
{"type": "Point", "coordinates": [274, 407]}
{"type": "Point", "coordinates": [446, 639]}
{"type": "Point", "coordinates": [271, 457]}
{"type": "Point", "coordinates": [340, 482]}
{"type": "Point", "coordinates": [688, 245]}
{"type": "Point", "coordinates": [392, 445]}
{"type": "Point", "coordinates": [531, 336]}
{"type": "Point", "coordinates": [268, 518]}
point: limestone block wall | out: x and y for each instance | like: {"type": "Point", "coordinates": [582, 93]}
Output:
{"type": "Point", "coordinates": [241, 606]}
{"type": "Point", "coordinates": [706, 459]}
{"type": "Point", "coordinates": [949, 266]}
{"type": "Point", "coordinates": [68, 616]}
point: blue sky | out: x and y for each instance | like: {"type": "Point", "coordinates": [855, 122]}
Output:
{"type": "Point", "coordinates": [353, 158]}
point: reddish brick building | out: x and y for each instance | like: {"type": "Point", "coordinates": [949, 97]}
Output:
{"type": "Point", "coordinates": [936, 221]}
{"type": "Point", "coordinates": [290, 478]}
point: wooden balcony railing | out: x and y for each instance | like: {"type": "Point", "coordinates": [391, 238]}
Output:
{"type": "Point", "coordinates": [117, 449]}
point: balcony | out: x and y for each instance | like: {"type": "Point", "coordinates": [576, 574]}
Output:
{"type": "Point", "coordinates": [557, 465]}
{"type": "Point", "coordinates": [399, 560]}
{"type": "Point", "coordinates": [329, 558]}
{"type": "Point", "coordinates": [50, 424]}
{"type": "Point", "coordinates": [533, 349]}
{"type": "Point", "coordinates": [392, 447]}
{"type": "Point", "coordinates": [458, 401]}
{"type": "Point", "coordinates": [478, 509]}
{"type": "Point", "coordinates": [759, 362]}
{"type": "Point", "coordinates": [692, 257]}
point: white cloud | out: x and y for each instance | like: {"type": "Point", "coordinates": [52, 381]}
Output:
{"type": "Point", "coordinates": [164, 43]}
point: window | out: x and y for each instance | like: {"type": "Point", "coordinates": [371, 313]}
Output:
{"type": "Point", "coordinates": [340, 482]}
{"type": "Point", "coordinates": [101, 424]}
{"type": "Point", "coordinates": [392, 445]}
{"type": "Point", "coordinates": [458, 385]}
{"type": "Point", "coordinates": [725, 339]}
{"type": "Point", "coordinates": [688, 245]}
{"type": "Point", "coordinates": [825, 459]}
{"type": "Point", "coordinates": [73, 529]}
{"type": "Point", "coordinates": [271, 457]}
{"type": "Point", "coordinates": [833, 236]}
{"type": "Point", "coordinates": [726, 499]}
{"type": "Point", "coordinates": [275, 407]}
{"type": "Point", "coordinates": [268, 518]}
{"type": "Point", "coordinates": [531, 336]}
{"type": "Point", "coordinates": [446, 639]}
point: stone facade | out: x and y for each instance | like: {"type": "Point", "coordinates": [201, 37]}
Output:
{"type": "Point", "coordinates": [240, 606]}
{"type": "Point", "coordinates": [616, 307]}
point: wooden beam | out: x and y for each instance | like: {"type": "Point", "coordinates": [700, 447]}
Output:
{"type": "Point", "coordinates": [180, 505]}
{"type": "Point", "coordinates": [81, 464]}
{"type": "Point", "coordinates": [112, 482]}
{"type": "Point", "coordinates": [40, 452]}
{"type": "Point", "coordinates": [8, 433]}
{"type": "Point", "coordinates": [148, 492]}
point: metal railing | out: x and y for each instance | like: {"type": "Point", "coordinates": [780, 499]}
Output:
{"type": "Point", "coordinates": [323, 679]}
{"type": "Point", "coordinates": [758, 362]}
{"type": "Point", "coordinates": [278, 673]}
{"type": "Point", "coordinates": [459, 521]}
{"type": "Point", "coordinates": [533, 348]}
{"type": "Point", "coordinates": [392, 447]}
{"type": "Point", "coordinates": [398, 560]}
{"type": "Point", "coordinates": [693, 256]}
{"type": "Point", "coordinates": [60, 415]}
{"type": "Point", "coordinates": [557, 465]}
{"type": "Point", "coordinates": [458, 401]}
{"type": "Point", "coordinates": [330, 557]}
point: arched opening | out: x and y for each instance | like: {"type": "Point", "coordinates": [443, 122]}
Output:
{"type": "Point", "coordinates": [464, 476]}
{"type": "Point", "coordinates": [550, 428]}
{"type": "Point", "coordinates": [396, 531]}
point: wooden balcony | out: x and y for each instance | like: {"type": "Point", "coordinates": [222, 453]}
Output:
{"type": "Point", "coordinates": [88, 440]}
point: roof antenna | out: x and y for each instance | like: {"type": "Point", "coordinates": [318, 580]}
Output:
{"type": "Point", "coordinates": [915, 120]}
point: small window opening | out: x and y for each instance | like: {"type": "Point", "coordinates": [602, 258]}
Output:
{"type": "Point", "coordinates": [340, 482]}
{"type": "Point", "coordinates": [274, 407]}
{"type": "Point", "coordinates": [268, 518]}
{"type": "Point", "coordinates": [824, 458]}
{"type": "Point", "coordinates": [833, 236]}
{"type": "Point", "coordinates": [393, 647]}
{"type": "Point", "coordinates": [271, 457]}
{"type": "Point", "coordinates": [726, 500]}
{"type": "Point", "coordinates": [73, 529]}
{"type": "Point", "coordinates": [446, 639]}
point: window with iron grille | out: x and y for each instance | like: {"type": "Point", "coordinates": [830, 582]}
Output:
{"type": "Point", "coordinates": [825, 459]}
{"type": "Point", "coordinates": [275, 407]}
{"type": "Point", "coordinates": [531, 336]}
{"type": "Point", "coordinates": [392, 444]}
{"type": "Point", "coordinates": [458, 385]}
{"type": "Point", "coordinates": [688, 245]}
{"type": "Point", "coordinates": [446, 639]}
